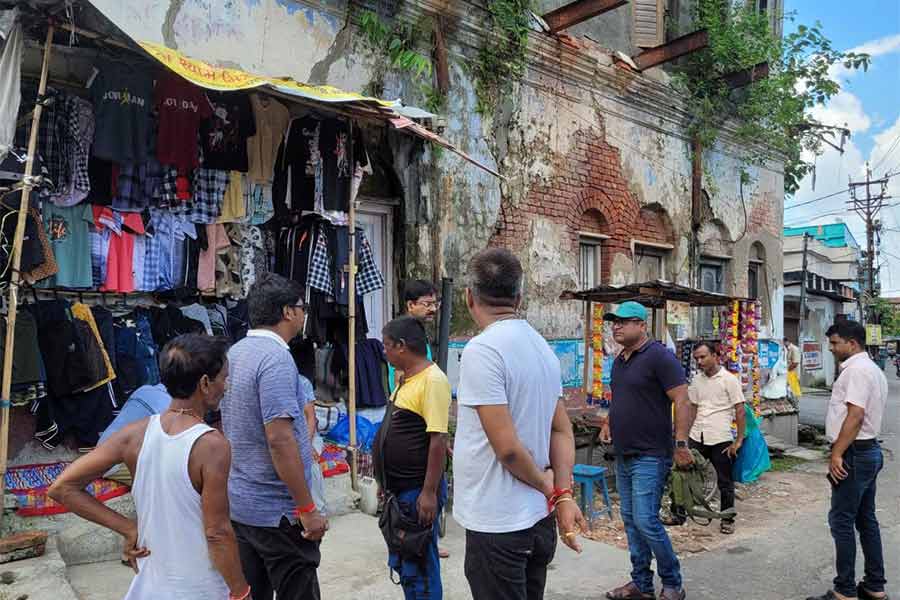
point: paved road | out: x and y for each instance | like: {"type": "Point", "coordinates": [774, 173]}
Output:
{"type": "Point", "coordinates": [797, 560]}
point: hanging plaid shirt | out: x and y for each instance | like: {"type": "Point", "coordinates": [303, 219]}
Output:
{"type": "Point", "coordinates": [52, 141]}
{"type": "Point", "coordinates": [76, 134]}
{"type": "Point", "coordinates": [320, 273]}
{"type": "Point", "coordinates": [138, 185]}
{"type": "Point", "coordinates": [369, 277]}
{"type": "Point", "coordinates": [158, 251]}
{"type": "Point", "coordinates": [208, 193]}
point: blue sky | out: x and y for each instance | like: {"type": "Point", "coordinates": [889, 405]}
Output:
{"type": "Point", "coordinates": [869, 105]}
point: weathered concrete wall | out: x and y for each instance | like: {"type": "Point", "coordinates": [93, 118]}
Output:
{"type": "Point", "coordinates": [583, 145]}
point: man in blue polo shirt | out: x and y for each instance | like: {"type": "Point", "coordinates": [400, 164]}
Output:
{"type": "Point", "coordinates": [646, 380]}
{"type": "Point", "coordinates": [145, 401]}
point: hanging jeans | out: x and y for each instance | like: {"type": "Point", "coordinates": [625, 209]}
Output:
{"type": "Point", "coordinates": [853, 507]}
{"type": "Point", "coordinates": [640, 481]}
{"type": "Point", "coordinates": [420, 582]}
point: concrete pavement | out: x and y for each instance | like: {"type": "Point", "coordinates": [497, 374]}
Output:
{"type": "Point", "coordinates": [788, 562]}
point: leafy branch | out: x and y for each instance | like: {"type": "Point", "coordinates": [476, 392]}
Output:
{"type": "Point", "coordinates": [501, 60]}
{"type": "Point", "coordinates": [399, 45]}
{"type": "Point", "coordinates": [772, 114]}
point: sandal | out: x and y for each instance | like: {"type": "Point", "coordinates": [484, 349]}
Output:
{"type": "Point", "coordinates": [629, 591]}
{"type": "Point", "coordinates": [727, 527]}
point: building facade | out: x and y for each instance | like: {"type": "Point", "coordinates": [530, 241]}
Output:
{"type": "Point", "coordinates": [595, 157]}
{"type": "Point", "coordinates": [832, 293]}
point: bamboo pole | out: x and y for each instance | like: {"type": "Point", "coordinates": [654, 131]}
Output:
{"type": "Point", "coordinates": [351, 294]}
{"type": "Point", "coordinates": [16, 263]}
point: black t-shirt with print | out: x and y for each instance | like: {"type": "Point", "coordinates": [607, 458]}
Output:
{"type": "Point", "coordinates": [337, 172]}
{"type": "Point", "coordinates": [224, 135]}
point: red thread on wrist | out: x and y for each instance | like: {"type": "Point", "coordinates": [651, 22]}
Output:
{"type": "Point", "coordinates": [557, 494]}
{"type": "Point", "coordinates": [305, 510]}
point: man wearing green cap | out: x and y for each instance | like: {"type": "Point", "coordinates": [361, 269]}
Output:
{"type": "Point", "coordinates": [646, 380]}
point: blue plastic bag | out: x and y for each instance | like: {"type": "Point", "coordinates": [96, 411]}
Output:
{"type": "Point", "coordinates": [365, 432]}
{"type": "Point", "coordinates": [753, 457]}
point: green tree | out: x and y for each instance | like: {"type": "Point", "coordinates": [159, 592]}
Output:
{"type": "Point", "coordinates": [772, 114]}
{"type": "Point", "coordinates": [888, 315]}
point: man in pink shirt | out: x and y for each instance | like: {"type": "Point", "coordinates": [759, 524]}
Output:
{"type": "Point", "coordinates": [852, 425]}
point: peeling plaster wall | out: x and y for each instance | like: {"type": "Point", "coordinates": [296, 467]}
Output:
{"type": "Point", "coordinates": [577, 134]}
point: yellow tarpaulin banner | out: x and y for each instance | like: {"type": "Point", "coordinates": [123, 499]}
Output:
{"type": "Point", "coordinates": [224, 79]}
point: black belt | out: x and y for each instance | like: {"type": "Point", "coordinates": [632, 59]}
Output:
{"type": "Point", "coordinates": [863, 444]}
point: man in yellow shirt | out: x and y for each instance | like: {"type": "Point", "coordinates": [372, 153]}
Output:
{"type": "Point", "coordinates": [415, 450]}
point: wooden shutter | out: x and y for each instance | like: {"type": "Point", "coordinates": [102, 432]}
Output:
{"type": "Point", "coordinates": [648, 23]}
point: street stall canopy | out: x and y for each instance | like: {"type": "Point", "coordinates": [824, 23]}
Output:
{"type": "Point", "coordinates": [653, 294]}
{"type": "Point", "coordinates": [104, 29]}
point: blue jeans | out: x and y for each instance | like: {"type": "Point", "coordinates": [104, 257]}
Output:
{"type": "Point", "coordinates": [853, 506]}
{"type": "Point", "coordinates": [640, 481]}
{"type": "Point", "coordinates": [421, 582]}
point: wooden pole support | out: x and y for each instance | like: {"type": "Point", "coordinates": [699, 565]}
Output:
{"type": "Point", "coordinates": [16, 263]}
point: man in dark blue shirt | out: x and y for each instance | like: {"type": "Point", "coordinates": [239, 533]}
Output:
{"type": "Point", "coordinates": [646, 380]}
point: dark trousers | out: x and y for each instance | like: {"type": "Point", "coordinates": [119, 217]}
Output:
{"type": "Point", "coordinates": [279, 559]}
{"type": "Point", "coordinates": [724, 465]}
{"type": "Point", "coordinates": [853, 506]}
{"type": "Point", "coordinates": [510, 566]}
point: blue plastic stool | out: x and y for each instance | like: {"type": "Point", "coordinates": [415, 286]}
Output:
{"type": "Point", "coordinates": [587, 476]}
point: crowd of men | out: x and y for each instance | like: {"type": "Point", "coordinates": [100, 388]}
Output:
{"type": "Point", "coordinates": [238, 513]}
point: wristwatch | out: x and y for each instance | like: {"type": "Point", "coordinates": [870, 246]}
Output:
{"type": "Point", "coordinates": [681, 444]}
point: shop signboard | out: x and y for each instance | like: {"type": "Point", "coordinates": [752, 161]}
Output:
{"type": "Point", "coordinates": [873, 335]}
{"type": "Point", "coordinates": [812, 356]}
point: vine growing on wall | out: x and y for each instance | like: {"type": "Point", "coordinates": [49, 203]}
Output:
{"type": "Point", "coordinates": [501, 59]}
{"type": "Point", "coordinates": [772, 114]}
{"type": "Point", "coordinates": [399, 45]}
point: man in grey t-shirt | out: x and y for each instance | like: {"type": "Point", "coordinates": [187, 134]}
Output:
{"type": "Point", "coordinates": [275, 517]}
{"type": "Point", "coordinates": [514, 449]}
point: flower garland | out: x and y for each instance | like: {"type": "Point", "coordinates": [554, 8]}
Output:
{"type": "Point", "coordinates": [597, 346]}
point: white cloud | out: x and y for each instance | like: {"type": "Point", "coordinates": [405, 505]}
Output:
{"type": "Point", "coordinates": [874, 48]}
{"type": "Point", "coordinates": [844, 110]}
{"type": "Point", "coordinates": [879, 47]}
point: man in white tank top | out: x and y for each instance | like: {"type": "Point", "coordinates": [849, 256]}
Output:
{"type": "Point", "coordinates": [182, 545]}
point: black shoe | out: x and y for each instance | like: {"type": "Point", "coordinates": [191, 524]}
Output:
{"type": "Point", "coordinates": [829, 595]}
{"type": "Point", "coordinates": [863, 594]}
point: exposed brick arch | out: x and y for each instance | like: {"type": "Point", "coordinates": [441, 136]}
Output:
{"type": "Point", "coordinates": [654, 225]}
{"type": "Point", "coordinates": [588, 181]}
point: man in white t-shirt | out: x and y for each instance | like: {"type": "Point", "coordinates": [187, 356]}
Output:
{"type": "Point", "coordinates": [852, 425]}
{"type": "Point", "coordinates": [514, 449]}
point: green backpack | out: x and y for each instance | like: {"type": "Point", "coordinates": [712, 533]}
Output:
{"type": "Point", "coordinates": [688, 492]}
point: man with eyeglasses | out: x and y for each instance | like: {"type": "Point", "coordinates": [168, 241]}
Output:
{"type": "Point", "coordinates": [272, 487]}
{"type": "Point", "coordinates": [646, 380]}
{"type": "Point", "coordinates": [419, 301]}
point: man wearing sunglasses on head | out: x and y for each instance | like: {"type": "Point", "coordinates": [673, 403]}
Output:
{"type": "Point", "coordinates": [646, 380]}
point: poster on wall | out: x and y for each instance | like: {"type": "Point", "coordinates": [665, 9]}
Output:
{"type": "Point", "coordinates": [678, 313]}
{"type": "Point", "coordinates": [812, 356]}
{"type": "Point", "coordinates": [769, 351]}
{"type": "Point", "coordinates": [569, 352]}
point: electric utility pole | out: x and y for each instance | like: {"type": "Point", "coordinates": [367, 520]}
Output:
{"type": "Point", "coordinates": [868, 208]}
{"type": "Point", "coordinates": [803, 288]}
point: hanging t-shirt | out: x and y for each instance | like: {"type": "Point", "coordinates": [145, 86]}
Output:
{"type": "Point", "coordinates": [337, 172]}
{"type": "Point", "coordinates": [234, 209]}
{"type": "Point", "coordinates": [68, 229]}
{"type": "Point", "coordinates": [298, 168]}
{"type": "Point", "coordinates": [120, 261]}
{"type": "Point", "coordinates": [272, 120]}
{"type": "Point", "coordinates": [217, 241]}
{"type": "Point", "coordinates": [224, 135]}
{"type": "Point", "coordinates": [121, 95]}
{"type": "Point", "coordinates": [182, 108]}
